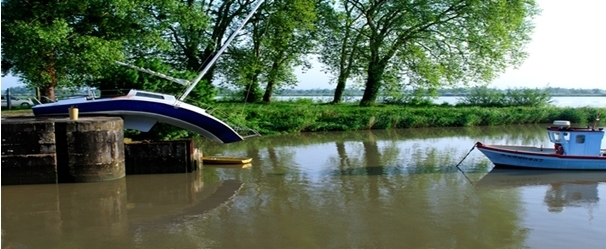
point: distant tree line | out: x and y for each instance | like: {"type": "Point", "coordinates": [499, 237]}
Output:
{"type": "Point", "coordinates": [394, 47]}
{"type": "Point", "coordinates": [553, 91]}
{"type": "Point", "coordinates": [62, 93]}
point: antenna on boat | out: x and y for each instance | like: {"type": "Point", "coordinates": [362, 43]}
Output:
{"type": "Point", "coordinates": [163, 76]}
{"type": "Point", "coordinates": [595, 122]}
{"type": "Point", "coordinates": [210, 64]}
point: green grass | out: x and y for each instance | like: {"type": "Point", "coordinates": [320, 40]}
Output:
{"type": "Point", "coordinates": [294, 117]}
{"type": "Point", "coordinates": [16, 111]}
{"type": "Point", "coordinates": [290, 117]}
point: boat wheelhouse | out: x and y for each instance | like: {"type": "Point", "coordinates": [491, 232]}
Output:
{"type": "Point", "coordinates": [574, 148]}
{"type": "Point", "coordinates": [575, 141]}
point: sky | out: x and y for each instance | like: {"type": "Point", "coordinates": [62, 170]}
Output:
{"type": "Point", "coordinates": [567, 50]}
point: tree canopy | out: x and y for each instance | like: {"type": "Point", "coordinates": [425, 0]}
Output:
{"type": "Point", "coordinates": [64, 43]}
{"type": "Point", "coordinates": [384, 45]}
{"type": "Point", "coordinates": [429, 44]}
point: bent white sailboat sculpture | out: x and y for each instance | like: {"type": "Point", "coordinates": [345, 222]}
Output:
{"type": "Point", "coordinates": [141, 109]}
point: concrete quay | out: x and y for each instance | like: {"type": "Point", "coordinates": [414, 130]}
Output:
{"type": "Point", "coordinates": [89, 149]}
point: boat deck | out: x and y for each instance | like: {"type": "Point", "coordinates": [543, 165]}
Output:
{"type": "Point", "coordinates": [532, 149]}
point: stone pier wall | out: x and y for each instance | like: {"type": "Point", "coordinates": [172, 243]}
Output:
{"type": "Point", "coordinates": [157, 157]}
{"type": "Point", "coordinates": [93, 149]}
{"type": "Point", "coordinates": [62, 150]}
{"type": "Point", "coordinates": [90, 149]}
{"type": "Point", "coordinates": [28, 152]}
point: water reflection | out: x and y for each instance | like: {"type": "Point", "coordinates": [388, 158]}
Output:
{"type": "Point", "coordinates": [365, 189]}
{"type": "Point", "coordinates": [105, 214]}
{"type": "Point", "coordinates": [564, 188]}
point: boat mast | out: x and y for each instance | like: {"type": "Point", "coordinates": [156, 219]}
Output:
{"type": "Point", "coordinates": [210, 64]}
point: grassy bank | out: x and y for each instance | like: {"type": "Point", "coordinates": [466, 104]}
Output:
{"type": "Point", "coordinates": [294, 117]}
{"type": "Point", "coordinates": [297, 117]}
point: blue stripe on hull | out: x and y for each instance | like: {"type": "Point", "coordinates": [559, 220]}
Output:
{"type": "Point", "coordinates": [509, 159]}
{"type": "Point", "coordinates": [204, 121]}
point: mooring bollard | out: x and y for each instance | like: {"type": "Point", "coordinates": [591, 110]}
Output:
{"type": "Point", "coordinates": [73, 113]}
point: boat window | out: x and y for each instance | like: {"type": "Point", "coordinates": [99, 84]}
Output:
{"type": "Point", "coordinates": [566, 136]}
{"type": "Point", "coordinates": [580, 139]}
{"type": "Point", "coordinates": [149, 95]}
{"type": "Point", "coordinates": [556, 137]}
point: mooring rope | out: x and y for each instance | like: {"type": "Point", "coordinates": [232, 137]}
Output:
{"type": "Point", "coordinates": [459, 168]}
{"type": "Point", "coordinates": [474, 146]}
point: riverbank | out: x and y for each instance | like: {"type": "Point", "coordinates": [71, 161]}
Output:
{"type": "Point", "coordinates": [286, 117]}
{"type": "Point", "coordinates": [294, 117]}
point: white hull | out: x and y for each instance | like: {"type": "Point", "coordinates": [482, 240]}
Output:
{"type": "Point", "coordinates": [142, 112]}
{"type": "Point", "coordinates": [539, 158]}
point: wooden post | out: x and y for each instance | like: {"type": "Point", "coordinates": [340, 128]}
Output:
{"type": "Point", "coordinates": [9, 103]}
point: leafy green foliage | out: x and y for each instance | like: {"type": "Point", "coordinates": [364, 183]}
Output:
{"type": "Point", "coordinates": [284, 117]}
{"type": "Point", "coordinates": [431, 44]}
{"type": "Point", "coordinates": [341, 43]}
{"type": "Point", "coordinates": [483, 96]}
{"type": "Point", "coordinates": [288, 117]}
{"type": "Point", "coordinates": [57, 43]}
{"type": "Point", "coordinates": [281, 33]}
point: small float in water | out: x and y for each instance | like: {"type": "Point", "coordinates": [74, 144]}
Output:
{"type": "Point", "coordinates": [226, 160]}
{"type": "Point", "coordinates": [574, 149]}
{"type": "Point", "coordinates": [230, 166]}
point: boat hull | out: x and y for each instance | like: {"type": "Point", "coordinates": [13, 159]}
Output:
{"type": "Point", "coordinates": [531, 157]}
{"type": "Point", "coordinates": [142, 113]}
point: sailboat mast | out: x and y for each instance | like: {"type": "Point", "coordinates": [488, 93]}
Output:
{"type": "Point", "coordinates": [210, 64]}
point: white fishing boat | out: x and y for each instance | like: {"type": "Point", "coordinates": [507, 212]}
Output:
{"type": "Point", "coordinates": [574, 149]}
{"type": "Point", "coordinates": [140, 110]}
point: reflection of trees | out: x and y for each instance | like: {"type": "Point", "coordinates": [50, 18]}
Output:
{"type": "Point", "coordinates": [559, 196]}
{"type": "Point", "coordinates": [373, 189]}
{"type": "Point", "coordinates": [368, 189]}
{"type": "Point", "coordinates": [564, 188]}
{"type": "Point", "coordinates": [526, 134]}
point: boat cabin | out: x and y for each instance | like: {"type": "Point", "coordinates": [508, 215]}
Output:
{"type": "Point", "coordinates": [144, 94]}
{"type": "Point", "coordinates": [572, 141]}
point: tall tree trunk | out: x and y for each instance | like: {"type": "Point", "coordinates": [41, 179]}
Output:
{"type": "Point", "coordinates": [373, 84]}
{"type": "Point", "coordinates": [207, 56]}
{"type": "Point", "coordinates": [48, 94]}
{"type": "Point", "coordinates": [251, 91]}
{"type": "Point", "coordinates": [268, 91]}
{"type": "Point", "coordinates": [341, 81]}
{"type": "Point", "coordinates": [271, 81]}
{"type": "Point", "coordinates": [48, 90]}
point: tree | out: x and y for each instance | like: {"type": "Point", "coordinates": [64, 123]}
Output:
{"type": "Point", "coordinates": [51, 44]}
{"type": "Point", "coordinates": [343, 31]}
{"type": "Point", "coordinates": [431, 43]}
{"type": "Point", "coordinates": [196, 30]}
{"type": "Point", "coordinates": [280, 35]}
{"type": "Point", "coordinates": [289, 27]}
{"type": "Point", "coordinates": [242, 65]}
